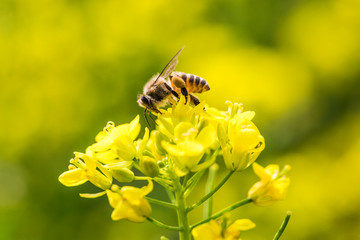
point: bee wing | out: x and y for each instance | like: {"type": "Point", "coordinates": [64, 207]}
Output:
{"type": "Point", "coordinates": [169, 68]}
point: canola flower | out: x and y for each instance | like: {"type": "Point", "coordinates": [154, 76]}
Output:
{"type": "Point", "coordinates": [129, 202]}
{"type": "Point", "coordinates": [187, 141]}
{"type": "Point", "coordinates": [222, 230]}
{"type": "Point", "coordinates": [272, 186]}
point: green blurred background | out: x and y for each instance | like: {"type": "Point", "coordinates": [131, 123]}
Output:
{"type": "Point", "coordinates": [69, 66]}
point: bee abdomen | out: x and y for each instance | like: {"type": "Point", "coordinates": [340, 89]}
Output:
{"type": "Point", "coordinates": [194, 84]}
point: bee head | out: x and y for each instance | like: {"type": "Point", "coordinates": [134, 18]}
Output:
{"type": "Point", "coordinates": [144, 101]}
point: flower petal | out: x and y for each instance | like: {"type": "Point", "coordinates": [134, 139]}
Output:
{"type": "Point", "coordinates": [124, 211]}
{"type": "Point", "coordinates": [241, 225]}
{"type": "Point", "coordinates": [207, 136]}
{"type": "Point", "coordinates": [92, 195]}
{"type": "Point", "coordinates": [114, 198]}
{"type": "Point", "coordinates": [73, 177]}
{"type": "Point", "coordinates": [261, 173]}
{"type": "Point", "coordinates": [207, 231]}
{"type": "Point", "coordinates": [134, 128]}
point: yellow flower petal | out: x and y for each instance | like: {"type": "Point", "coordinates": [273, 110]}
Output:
{"type": "Point", "coordinates": [182, 130]}
{"type": "Point", "coordinates": [134, 128]}
{"type": "Point", "coordinates": [73, 177]}
{"type": "Point", "coordinates": [143, 142]}
{"type": "Point", "coordinates": [132, 194]}
{"type": "Point", "coordinates": [124, 211]}
{"type": "Point", "coordinates": [207, 231]}
{"type": "Point", "coordinates": [104, 145]}
{"type": "Point", "coordinates": [207, 136]}
{"type": "Point", "coordinates": [272, 170]}
{"type": "Point", "coordinates": [241, 225]}
{"type": "Point", "coordinates": [114, 198]}
{"type": "Point", "coordinates": [185, 154]}
{"type": "Point", "coordinates": [92, 195]}
{"type": "Point", "coordinates": [261, 173]}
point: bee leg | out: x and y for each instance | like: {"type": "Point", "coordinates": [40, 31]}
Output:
{"type": "Point", "coordinates": [171, 90]}
{"type": "Point", "coordinates": [180, 83]}
{"type": "Point", "coordinates": [175, 94]}
{"type": "Point", "coordinates": [145, 112]}
{"type": "Point", "coordinates": [152, 119]}
{"type": "Point", "coordinates": [185, 93]}
{"type": "Point", "coordinates": [194, 100]}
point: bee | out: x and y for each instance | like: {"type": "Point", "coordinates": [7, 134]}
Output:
{"type": "Point", "coordinates": [166, 87]}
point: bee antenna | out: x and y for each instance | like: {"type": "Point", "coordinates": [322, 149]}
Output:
{"type": "Point", "coordinates": [169, 63]}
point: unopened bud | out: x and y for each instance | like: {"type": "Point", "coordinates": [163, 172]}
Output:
{"type": "Point", "coordinates": [149, 166]}
{"type": "Point", "coordinates": [122, 174]}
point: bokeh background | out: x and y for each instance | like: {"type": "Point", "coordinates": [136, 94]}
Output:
{"type": "Point", "coordinates": [69, 66]}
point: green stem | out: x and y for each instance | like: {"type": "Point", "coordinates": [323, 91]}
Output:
{"type": "Point", "coordinates": [283, 225]}
{"type": "Point", "coordinates": [185, 180]}
{"type": "Point", "coordinates": [192, 182]}
{"type": "Point", "coordinates": [209, 185]}
{"type": "Point", "coordinates": [162, 203]}
{"type": "Point", "coordinates": [163, 225]}
{"type": "Point", "coordinates": [183, 219]}
{"type": "Point", "coordinates": [222, 212]}
{"type": "Point", "coordinates": [210, 193]}
{"type": "Point", "coordinates": [171, 195]}
{"type": "Point", "coordinates": [162, 183]}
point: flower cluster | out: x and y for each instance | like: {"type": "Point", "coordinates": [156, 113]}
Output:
{"type": "Point", "coordinates": [185, 143]}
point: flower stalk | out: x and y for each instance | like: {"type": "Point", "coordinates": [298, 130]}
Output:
{"type": "Point", "coordinates": [183, 219]}
{"type": "Point", "coordinates": [283, 225]}
{"type": "Point", "coordinates": [207, 196]}
{"type": "Point", "coordinates": [209, 186]}
{"type": "Point", "coordinates": [161, 203]}
{"type": "Point", "coordinates": [162, 225]}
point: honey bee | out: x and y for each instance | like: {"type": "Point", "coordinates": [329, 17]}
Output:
{"type": "Point", "coordinates": [162, 88]}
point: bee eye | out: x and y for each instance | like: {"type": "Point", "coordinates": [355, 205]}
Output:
{"type": "Point", "coordinates": [145, 100]}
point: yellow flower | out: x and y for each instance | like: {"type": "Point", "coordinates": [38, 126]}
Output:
{"type": "Point", "coordinates": [189, 146]}
{"type": "Point", "coordinates": [129, 202]}
{"type": "Point", "coordinates": [217, 230]}
{"type": "Point", "coordinates": [114, 144]}
{"type": "Point", "coordinates": [84, 169]}
{"type": "Point", "coordinates": [181, 112]}
{"type": "Point", "coordinates": [240, 141]}
{"type": "Point", "coordinates": [272, 186]}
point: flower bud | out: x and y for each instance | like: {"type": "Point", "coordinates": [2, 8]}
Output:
{"type": "Point", "coordinates": [98, 179]}
{"type": "Point", "coordinates": [122, 174]}
{"type": "Point", "coordinates": [149, 166]}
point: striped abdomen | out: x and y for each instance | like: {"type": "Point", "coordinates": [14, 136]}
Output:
{"type": "Point", "coordinates": [193, 83]}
